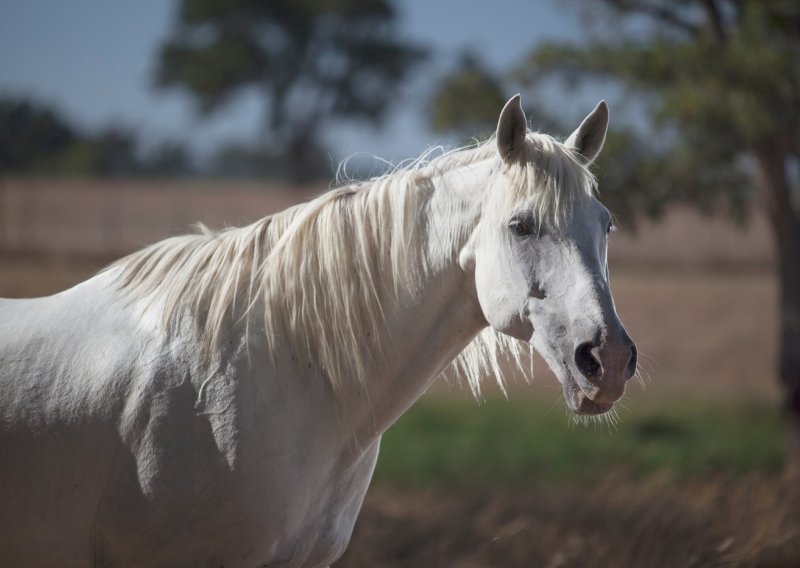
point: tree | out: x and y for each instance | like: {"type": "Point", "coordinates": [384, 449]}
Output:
{"type": "Point", "coordinates": [465, 101]}
{"type": "Point", "coordinates": [720, 83]}
{"type": "Point", "coordinates": [243, 160]}
{"type": "Point", "coordinates": [109, 153]}
{"type": "Point", "coordinates": [168, 158]}
{"type": "Point", "coordinates": [313, 61]}
{"type": "Point", "coordinates": [31, 136]}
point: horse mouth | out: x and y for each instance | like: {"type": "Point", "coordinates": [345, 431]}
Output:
{"type": "Point", "coordinates": [578, 402]}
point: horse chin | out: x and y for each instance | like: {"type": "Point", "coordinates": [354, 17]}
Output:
{"type": "Point", "coordinates": [578, 402]}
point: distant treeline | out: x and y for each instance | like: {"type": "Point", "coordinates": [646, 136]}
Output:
{"type": "Point", "coordinates": [38, 140]}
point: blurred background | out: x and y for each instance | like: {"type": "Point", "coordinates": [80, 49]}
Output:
{"type": "Point", "coordinates": [123, 123]}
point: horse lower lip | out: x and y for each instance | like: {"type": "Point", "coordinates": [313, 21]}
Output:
{"type": "Point", "coordinates": [590, 408]}
{"type": "Point", "coordinates": [579, 403]}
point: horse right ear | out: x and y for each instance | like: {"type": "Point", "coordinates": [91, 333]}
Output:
{"type": "Point", "coordinates": [511, 130]}
{"type": "Point", "coordinates": [588, 138]}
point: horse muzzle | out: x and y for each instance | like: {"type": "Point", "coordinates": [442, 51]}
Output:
{"type": "Point", "coordinates": [598, 374]}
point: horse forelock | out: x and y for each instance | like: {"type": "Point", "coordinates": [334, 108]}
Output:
{"type": "Point", "coordinates": [323, 274]}
{"type": "Point", "coordinates": [547, 177]}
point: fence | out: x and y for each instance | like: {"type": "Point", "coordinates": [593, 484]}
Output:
{"type": "Point", "coordinates": [105, 219]}
{"type": "Point", "coordinates": [109, 218]}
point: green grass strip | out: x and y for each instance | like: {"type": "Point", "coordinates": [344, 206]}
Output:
{"type": "Point", "coordinates": [444, 440]}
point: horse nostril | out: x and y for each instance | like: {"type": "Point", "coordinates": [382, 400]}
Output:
{"type": "Point", "coordinates": [632, 362]}
{"type": "Point", "coordinates": [586, 361]}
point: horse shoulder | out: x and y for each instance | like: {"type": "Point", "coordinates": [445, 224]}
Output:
{"type": "Point", "coordinates": [65, 363]}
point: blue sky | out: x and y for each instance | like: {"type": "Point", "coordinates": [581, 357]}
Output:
{"type": "Point", "coordinates": [93, 59]}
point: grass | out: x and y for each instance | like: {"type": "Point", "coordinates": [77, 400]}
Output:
{"type": "Point", "coordinates": [448, 441]}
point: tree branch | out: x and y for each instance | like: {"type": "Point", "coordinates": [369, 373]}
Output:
{"type": "Point", "coordinates": [659, 13]}
{"type": "Point", "coordinates": [715, 19]}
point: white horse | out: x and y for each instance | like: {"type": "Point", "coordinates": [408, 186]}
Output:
{"type": "Point", "coordinates": [218, 399]}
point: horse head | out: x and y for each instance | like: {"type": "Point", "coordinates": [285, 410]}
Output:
{"type": "Point", "coordinates": [539, 258]}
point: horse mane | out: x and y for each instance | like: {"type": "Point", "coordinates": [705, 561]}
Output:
{"type": "Point", "coordinates": [320, 273]}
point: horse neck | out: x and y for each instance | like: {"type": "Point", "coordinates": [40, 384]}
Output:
{"type": "Point", "coordinates": [428, 328]}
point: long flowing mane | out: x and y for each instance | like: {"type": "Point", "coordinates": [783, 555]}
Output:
{"type": "Point", "coordinates": [320, 274]}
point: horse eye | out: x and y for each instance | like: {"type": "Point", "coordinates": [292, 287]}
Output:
{"type": "Point", "coordinates": [610, 227]}
{"type": "Point", "coordinates": [520, 228]}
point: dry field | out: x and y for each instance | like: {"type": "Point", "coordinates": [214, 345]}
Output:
{"type": "Point", "coordinates": [616, 522]}
{"type": "Point", "coordinates": [699, 334]}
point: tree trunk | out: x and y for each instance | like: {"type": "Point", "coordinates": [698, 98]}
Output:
{"type": "Point", "coordinates": [789, 358]}
{"type": "Point", "coordinates": [785, 221]}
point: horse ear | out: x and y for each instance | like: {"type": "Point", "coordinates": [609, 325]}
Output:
{"type": "Point", "coordinates": [588, 138]}
{"type": "Point", "coordinates": [511, 129]}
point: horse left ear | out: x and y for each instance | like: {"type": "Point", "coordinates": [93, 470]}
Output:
{"type": "Point", "coordinates": [588, 138]}
{"type": "Point", "coordinates": [511, 129]}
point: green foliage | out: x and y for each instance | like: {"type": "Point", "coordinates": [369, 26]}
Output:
{"type": "Point", "coordinates": [515, 442]}
{"type": "Point", "coordinates": [313, 60]}
{"type": "Point", "coordinates": [467, 100]}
